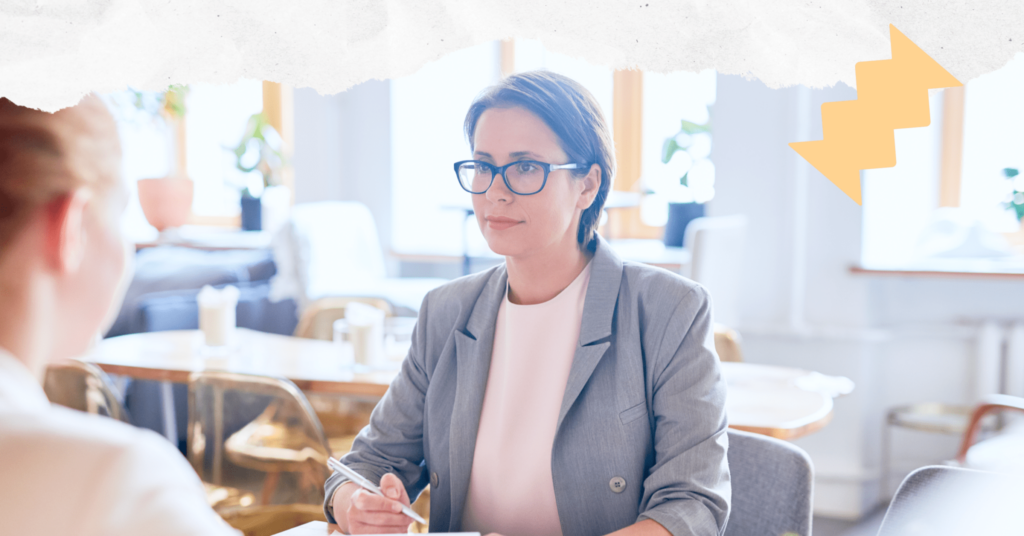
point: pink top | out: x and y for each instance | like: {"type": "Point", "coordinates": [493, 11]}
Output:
{"type": "Point", "coordinates": [510, 486]}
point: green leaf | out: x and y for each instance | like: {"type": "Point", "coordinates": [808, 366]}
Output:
{"type": "Point", "coordinates": [271, 159]}
{"type": "Point", "coordinates": [685, 179]}
{"type": "Point", "coordinates": [1010, 172]}
{"type": "Point", "coordinates": [668, 149]}
{"type": "Point", "coordinates": [690, 127]}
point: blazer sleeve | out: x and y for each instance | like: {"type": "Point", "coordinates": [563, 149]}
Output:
{"type": "Point", "coordinates": [687, 490]}
{"type": "Point", "coordinates": [393, 441]}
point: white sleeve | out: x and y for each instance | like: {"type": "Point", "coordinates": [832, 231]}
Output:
{"type": "Point", "coordinates": [149, 488]}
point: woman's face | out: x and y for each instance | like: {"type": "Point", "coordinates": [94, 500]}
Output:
{"type": "Point", "coordinates": [524, 225]}
{"type": "Point", "coordinates": [92, 292]}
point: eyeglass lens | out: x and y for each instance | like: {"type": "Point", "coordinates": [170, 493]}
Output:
{"type": "Point", "coordinates": [523, 177]}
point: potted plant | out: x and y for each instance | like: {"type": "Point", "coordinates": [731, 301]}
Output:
{"type": "Point", "coordinates": [259, 155]}
{"type": "Point", "coordinates": [167, 201]}
{"type": "Point", "coordinates": [1015, 202]}
{"type": "Point", "coordinates": [681, 212]}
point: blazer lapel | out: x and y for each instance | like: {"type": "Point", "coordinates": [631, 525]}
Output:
{"type": "Point", "coordinates": [583, 364]}
{"type": "Point", "coordinates": [473, 360]}
{"type": "Point", "coordinates": [596, 327]}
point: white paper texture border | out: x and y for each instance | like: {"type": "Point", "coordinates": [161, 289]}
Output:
{"type": "Point", "coordinates": [52, 53]}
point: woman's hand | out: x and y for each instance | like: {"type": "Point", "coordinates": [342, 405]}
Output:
{"type": "Point", "coordinates": [362, 512]}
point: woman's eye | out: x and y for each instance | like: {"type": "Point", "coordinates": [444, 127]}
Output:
{"type": "Point", "coordinates": [527, 167]}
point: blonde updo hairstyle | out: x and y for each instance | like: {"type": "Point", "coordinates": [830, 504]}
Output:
{"type": "Point", "coordinates": [44, 156]}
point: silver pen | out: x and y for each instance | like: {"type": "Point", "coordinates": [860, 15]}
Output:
{"type": "Point", "coordinates": [369, 486]}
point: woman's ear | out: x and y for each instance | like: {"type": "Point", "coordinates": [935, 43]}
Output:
{"type": "Point", "coordinates": [66, 239]}
{"type": "Point", "coordinates": [591, 184]}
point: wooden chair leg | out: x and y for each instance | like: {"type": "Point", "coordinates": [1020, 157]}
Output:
{"type": "Point", "coordinates": [269, 485]}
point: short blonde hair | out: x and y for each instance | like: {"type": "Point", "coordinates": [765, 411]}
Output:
{"type": "Point", "coordinates": [44, 156]}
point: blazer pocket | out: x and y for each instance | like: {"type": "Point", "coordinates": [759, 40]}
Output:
{"type": "Point", "coordinates": [633, 413]}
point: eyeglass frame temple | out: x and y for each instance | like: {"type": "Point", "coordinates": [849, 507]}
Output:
{"type": "Point", "coordinates": [500, 170]}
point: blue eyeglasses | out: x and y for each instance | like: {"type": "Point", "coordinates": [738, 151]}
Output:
{"type": "Point", "coordinates": [522, 177]}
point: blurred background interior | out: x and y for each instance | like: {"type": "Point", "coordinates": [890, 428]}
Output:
{"type": "Point", "coordinates": [308, 202]}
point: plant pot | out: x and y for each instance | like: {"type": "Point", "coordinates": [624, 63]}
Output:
{"type": "Point", "coordinates": [166, 202]}
{"type": "Point", "coordinates": [679, 216]}
{"type": "Point", "coordinates": [252, 213]}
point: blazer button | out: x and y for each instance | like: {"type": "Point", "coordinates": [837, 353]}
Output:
{"type": "Point", "coordinates": [434, 480]}
{"type": "Point", "coordinates": [618, 484]}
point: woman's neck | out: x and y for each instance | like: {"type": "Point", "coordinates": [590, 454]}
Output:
{"type": "Point", "coordinates": [540, 277]}
{"type": "Point", "coordinates": [25, 319]}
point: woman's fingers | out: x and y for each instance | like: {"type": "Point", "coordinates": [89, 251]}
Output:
{"type": "Point", "coordinates": [372, 514]}
{"type": "Point", "coordinates": [369, 513]}
{"type": "Point", "coordinates": [393, 488]}
{"type": "Point", "coordinates": [369, 502]}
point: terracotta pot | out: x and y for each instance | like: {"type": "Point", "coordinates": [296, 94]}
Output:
{"type": "Point", "coordinates": [166, 202]}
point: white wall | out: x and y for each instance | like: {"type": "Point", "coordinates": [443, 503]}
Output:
{"type": "Point", "coordinates": [343, 150]}
{"type": "Point", "coordinates": [901, 339]}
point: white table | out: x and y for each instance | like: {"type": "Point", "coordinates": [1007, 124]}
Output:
{"type": "Point", "coordinates": [776, 401]}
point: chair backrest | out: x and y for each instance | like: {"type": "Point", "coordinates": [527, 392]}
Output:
{"type": "Point", "coordinates": [244, 429]}
{"type": "Point", "coordinates": [716, 247]}
{"type": "Point", "coordinates": [940, 500]}
{"type": "Point", "coordinates": [772, 486]}
{"type": "Point", "coordinates": [317, 320]}
{"type": "Point", "coordinates": [326, 248]}
{"type": "Point", "coordinates": [727, 344]}
{"type": "Point", "coordinates": [84, 387]}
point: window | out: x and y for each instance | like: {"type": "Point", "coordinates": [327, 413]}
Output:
{"type": "Point", "coordinates": [216, 116]}
{"type": "Point", "coordinates": [900, 203]}
{"type": "Point", "coordinates": [427, 109]}
{"type": "Point", "coordinates": [993, 140]}
{"type": "Point", "coordinates": [670, 99]}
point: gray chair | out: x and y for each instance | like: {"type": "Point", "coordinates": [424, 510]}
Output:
{"type": "Point", "coordinates": [772, 485]}
{"type": "Point", "coordinates": [941, 500]}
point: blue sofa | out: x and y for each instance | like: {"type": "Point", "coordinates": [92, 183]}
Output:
{"type": "Point", "coordinates": [162, 296]}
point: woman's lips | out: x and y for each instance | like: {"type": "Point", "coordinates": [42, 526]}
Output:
{"type": "Point", "coordinates": [500, 224]}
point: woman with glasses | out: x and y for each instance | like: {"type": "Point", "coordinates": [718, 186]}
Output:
{"type": "Point", "coordinates": [563, 392]}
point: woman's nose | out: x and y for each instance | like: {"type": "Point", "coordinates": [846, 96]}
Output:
{"type": "Point", "coordinates": [498, 192]}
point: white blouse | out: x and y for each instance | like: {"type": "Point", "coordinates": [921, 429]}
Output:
{"type": "Point", "coordinates": [510, 487]}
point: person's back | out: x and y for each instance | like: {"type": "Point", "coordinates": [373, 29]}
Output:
{"type": "Point", "coordinates": [61, 261]}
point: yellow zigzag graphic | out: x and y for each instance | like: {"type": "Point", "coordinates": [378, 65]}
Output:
{"type": "Point", "coordinates": [858, 134]}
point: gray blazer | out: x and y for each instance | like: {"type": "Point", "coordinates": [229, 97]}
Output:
{"type": "Point", "coordinates": [644, 404]}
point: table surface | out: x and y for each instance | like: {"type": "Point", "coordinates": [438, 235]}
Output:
{"type": "Point", "coordinates": [313, 365]}
{"type": "Point", "coordinates": [776, 401]}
